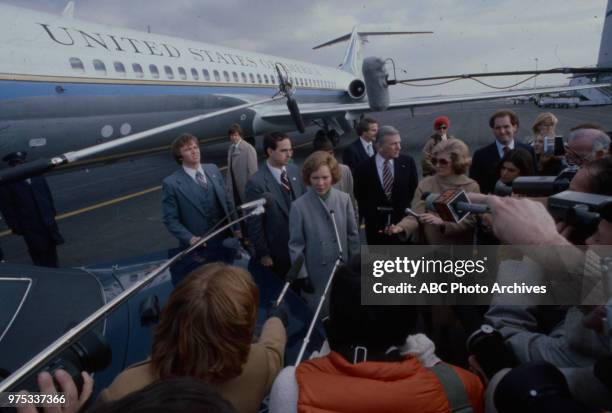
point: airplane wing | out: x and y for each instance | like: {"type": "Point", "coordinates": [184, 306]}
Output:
{"type": "Point", "coordinates": [312, 111]}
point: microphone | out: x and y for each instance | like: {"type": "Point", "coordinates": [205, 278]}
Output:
{"type": "Point", "coordinates": [254, 204]}
{"type": "Point", "coordinates": [333, 217]}
{"type": "Point", "coordinates": [377, 87]}
{"type": "Point", "coordinates": [388, 211]}
{"type": "Point", "coordinates": [502, 189]}
{"type": "Point", "coordinates": [291, 276]}
{"type": "Point", "coordinates": [452, 205]}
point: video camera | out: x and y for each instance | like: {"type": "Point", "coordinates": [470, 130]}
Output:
{"type": "Point", "coordinates": [542, 186]}
{"type": "Point", "coordinates": [581, 210]}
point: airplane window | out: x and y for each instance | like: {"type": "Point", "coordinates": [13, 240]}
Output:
{"type": "Point", "coordinates": [169, 72]}
{"type": "Point", "coordinates": [154, 71]}
{"type": "Point", "coordinates": [137, 70]}
{"type": "Point", "coordinates": [194, 74]}
{"type": "Point", "coordinates": [119, 68]}
{"type": "Point", "coordinates": [235, 77]}
{"type": "Point", "coordinates": [99, 66]}
{"type": "Point", "coordinates": [244, 77]}
{"type": "Point", "coordinates": [226, 76]}
{"type": "Point", "coordinates": [182, 73]}
{"type": "Point", "coordinates": [266, 79]}
{"type": "Point", "coordinates": [216, 75]}
{"type": "Point", "coordinates": [77, 65]}
{"type": "Point", "coordinates": [252, 77]}
{"type": "Point", "coordinates": [206, 75]}
{"type": "Point", "coordinates": [258, 78]}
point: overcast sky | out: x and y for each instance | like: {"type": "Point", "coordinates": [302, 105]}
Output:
{"type": "Point", "coordinates": [469, 35]}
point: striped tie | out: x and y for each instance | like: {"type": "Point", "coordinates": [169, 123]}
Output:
{"type": "Point", "coordinates": [387, 179]}
{"type": "Point", "coordinates": [201, 180]}
{"type": "Point", "coordinates": [285, 181]}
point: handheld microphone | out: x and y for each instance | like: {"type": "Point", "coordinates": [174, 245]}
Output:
{"type": "Point", "coordinates": [388, 211]}
{"type": "Point", "coordinates": [453, 205]}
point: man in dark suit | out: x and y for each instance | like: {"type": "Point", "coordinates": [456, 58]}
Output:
{"type": "Point", "coordinates": [194, 201]}
{"type": "Point", "coordinates": [281, 183]}
{"type": "Point", "coordinates": [29, 211]}
{"type": "Point", "coordinates": [387, 180]}
{"type": "Point", "coordinates": [363, 147]}
{"type": "Point", "coordinates": [485, 162]}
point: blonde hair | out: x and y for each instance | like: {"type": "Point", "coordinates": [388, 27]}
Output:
{"type": "Point", "coordinates": [543, 117]}
{"type": "Point", "coordinates": [459, 154]}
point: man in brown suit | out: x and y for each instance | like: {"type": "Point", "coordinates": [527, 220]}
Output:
{"type": "Point", "coordinates": [241, 164]}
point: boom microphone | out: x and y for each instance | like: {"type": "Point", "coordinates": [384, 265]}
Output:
{"type": "Point", "coordinates": [253, 204]}
{"type": "Point", "coordinates": [291, 276]}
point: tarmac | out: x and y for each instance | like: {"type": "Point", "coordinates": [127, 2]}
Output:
{"type": "Point", "coordinates": [113, 212]}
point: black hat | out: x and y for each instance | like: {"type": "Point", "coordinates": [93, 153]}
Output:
{"type": "Point", "coordinates": [14, 158]}
{"type": "Point", "coordinates": [535, 387]}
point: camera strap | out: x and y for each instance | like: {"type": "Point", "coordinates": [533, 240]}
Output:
{"type": "Point", "coordinates": [458, 400]}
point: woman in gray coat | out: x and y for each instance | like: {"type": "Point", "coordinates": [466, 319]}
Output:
{"type": "Point", "coordinates": [311, 230]}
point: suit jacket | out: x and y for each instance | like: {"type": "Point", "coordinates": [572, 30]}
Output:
{"type": "Point", "coordinates": [29, 210]}
{"type": "Point", "coordinates": [312, 234]}
{"type": "Point", "coordinates": [183, 215]}
{"type": "Point", "coordinates": [242, 164]}
{"type": "Point", "coordinates": [245, 392]}
{"type": "Point", "coordinates": [371, 195]}
{"type": "Point", "coordinates": [485, 162]}
{"type": "Point", "coordinates": [269, 233]}
{"type": "Point", "coordinates": [354, 154]}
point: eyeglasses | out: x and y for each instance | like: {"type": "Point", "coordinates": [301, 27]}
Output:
{"type": "Point", "coordinates": [574, 158]}
{"type": "Point", "coordinates": [441, 162]}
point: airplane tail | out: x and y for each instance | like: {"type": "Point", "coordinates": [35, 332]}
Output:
{"type": "Point", "coordinates": [352, 57]}
{"type": "Point", "coordinates": [605, 47]}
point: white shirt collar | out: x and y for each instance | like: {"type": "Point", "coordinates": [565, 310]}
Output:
{"type": "Point", "coordinates": [192, 172]}
{"type": "Point", "coordinates": [276, 172]}
{"type": "Point", "coordinates": [366, 144]}
{"type": "Point", "coordinates": [500, 147]}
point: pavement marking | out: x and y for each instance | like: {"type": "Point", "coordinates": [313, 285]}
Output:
{"type": "Point", "coordinates": [118, 200]}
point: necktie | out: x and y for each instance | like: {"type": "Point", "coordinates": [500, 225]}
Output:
{"type": "Point", "coordinates": [387, 179]}
{"type": "Point", "coordinates": [370, 150]}
{"type": "Point", "coordinates": [506, 150]}
{"type": "Point", "coordinates": [285, 182]}
{"type": "Point", "coordinates": [201, 180]}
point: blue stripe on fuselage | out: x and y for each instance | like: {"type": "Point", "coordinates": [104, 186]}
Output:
{"type": "Point", "coordinates": [15, 89]}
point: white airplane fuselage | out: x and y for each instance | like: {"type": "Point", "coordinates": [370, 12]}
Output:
{"type": "Point", "coordinates": [66, 84]}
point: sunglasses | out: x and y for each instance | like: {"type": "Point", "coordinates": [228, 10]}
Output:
{"type": "Point", "coordinates": [441, 161]}
{"type": "Point", "coordinates": [441, 127]}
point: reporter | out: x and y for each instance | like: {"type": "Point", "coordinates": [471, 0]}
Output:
{"type": "Point", "coordinates": [206, 332]}
{"type": "Point", "coordinates": [544, 127]}
{"type": "Point", "coordinates": [517, 162]}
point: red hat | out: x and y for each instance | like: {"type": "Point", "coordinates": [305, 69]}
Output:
{"type": "Point", "coordinates": [441, 120]}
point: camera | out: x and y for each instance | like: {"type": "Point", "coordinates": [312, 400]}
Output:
{"type": "Point", "coordinates": [541, 186]}
{"type": "Point", "coordinates": [554, 146]}
{"type": "Point", "coordinates": [487, 345]}
{"type": "Point", "coordinates": [581, 210]}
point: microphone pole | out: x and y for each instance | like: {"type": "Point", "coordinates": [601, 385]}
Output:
{"type": "Point", "coordinates": [322, 299]}
{"type": "Point", "coordinates": [72, 335]}
{"type": "Point", "coordinates": [294, 271]}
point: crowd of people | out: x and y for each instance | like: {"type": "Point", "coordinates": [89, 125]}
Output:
{"type": "Point", "coordinates": [376, 358]}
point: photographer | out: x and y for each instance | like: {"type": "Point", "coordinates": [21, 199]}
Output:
{"type": "Point", "coordinates": [573, 344]}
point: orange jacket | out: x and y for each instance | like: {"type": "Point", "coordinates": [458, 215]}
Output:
{"type": "Point", "coordinates": [331, 384]}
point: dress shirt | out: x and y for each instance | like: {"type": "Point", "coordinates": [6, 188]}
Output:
{"type": "Point", "coordinates": [367, 144]}
{"type": "Point", "coordinates": [380, 164]}
{"type": "Point", "coordinates": [192, 173]}
{"type": "Point", "coordinates": [500, 147]}
{"type": "Point", "coordinates": [276, 172]}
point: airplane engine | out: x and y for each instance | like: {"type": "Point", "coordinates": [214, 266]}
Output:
{"type": "Point", "coordinates": [356, 89]}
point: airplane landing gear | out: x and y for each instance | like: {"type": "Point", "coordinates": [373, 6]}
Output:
{"type": "Point", "coordinates": [332, 135]}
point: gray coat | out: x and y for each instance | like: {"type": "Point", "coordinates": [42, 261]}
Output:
{"type": "Point", "coordinates": [312, 234]}
{"type": "Point", "coordinates": [183, 215]}
{"type": "Point", "coordinates": [243, 162]}
{"type": "Point", "coordinates": [269, 233]}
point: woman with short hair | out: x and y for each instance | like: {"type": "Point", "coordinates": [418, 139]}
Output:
{"type": "Point", "coordinates": [451, 159]}
{"type": "Point", "coordinates": [311, 230]}
{"type": "Point", "coordinates": [544, 127]}
{"type": "Point", "coordinates": [206, 332]}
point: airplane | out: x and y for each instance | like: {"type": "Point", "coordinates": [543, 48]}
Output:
{"type": "Point", "coordinates": [93, 92]}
